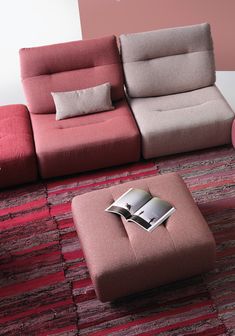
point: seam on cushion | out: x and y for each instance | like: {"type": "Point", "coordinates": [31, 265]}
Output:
{"type": "Point", "coordinates": [76, 69]}
{"type": "Point", "coordinates": [119, 216]}
{"type": "Point", "coordinates": [60, 127]}
{"type": "Point", "coordinates": [184, 53]}
{"type": "Point", "coordinates": [147, 184]}
{"type": "Point", "coordinates": [172, 241]}
{"type": "Point", "coordinates": [78, 126]}
{"type": "Point", "coordinates": [186, 107]}
{"type": "Point", "coordinates": [127, 235]}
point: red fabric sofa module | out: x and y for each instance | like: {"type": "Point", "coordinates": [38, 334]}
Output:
{"type": "Point", "coordinates": [86, 142]}
{"type": "Point", "coordinates": [17, 155]}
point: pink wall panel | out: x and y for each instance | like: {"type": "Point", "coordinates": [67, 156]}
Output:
{"type": "Point", "coordinates": [104, 17]}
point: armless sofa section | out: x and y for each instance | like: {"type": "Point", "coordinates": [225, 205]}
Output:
{"type": "Point", "coordinates": [170, 76]}
{"type": "Point", "coordinates": [86, 142]}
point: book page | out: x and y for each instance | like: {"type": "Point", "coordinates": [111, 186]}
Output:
{"type": "Point", "coordinates": [130, 202]}
{"type": "Point", "coordinates": [153, 213]}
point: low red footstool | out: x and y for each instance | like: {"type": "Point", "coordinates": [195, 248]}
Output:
{"type": "Point", "coordinates": [17, 155]}
{"type": "Point", "coordinates": [122, 258]}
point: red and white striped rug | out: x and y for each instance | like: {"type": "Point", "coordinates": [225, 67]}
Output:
{"type": "Point", "coordinates": [45, 287]}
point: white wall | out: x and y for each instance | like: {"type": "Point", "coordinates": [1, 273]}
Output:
{"type": "Point", "coordinates": [28, 23]}
{"type": "Point", "coordinates": [225, 81]}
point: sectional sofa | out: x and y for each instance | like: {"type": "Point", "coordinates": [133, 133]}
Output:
{"type": "Point", "coordinates": [171, 104]}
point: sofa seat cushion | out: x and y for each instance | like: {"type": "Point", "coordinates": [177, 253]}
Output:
{"type": "Point", "coordinates": [123, 258]}
{"type": "Point", "coordinates": [85, 142]}
{"type": "Point", "coordinates": [17, 155]}
{"type": "Point", "coordinates": [183, 122]}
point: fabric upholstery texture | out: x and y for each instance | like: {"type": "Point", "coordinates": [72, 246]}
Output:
{"type": "Point", "coordinates": [168, 61]}
{"type": "Point", "coordinates": [183, 122]}
{"type": "Point", "coordinates": [67, 67]}
{"type": "Point", "coordinates": [74, 103]}
{"type": "Point", "coordinates": [17, 155]}
{"type": "Point", "coordinates": [87, 142]}
{"type": "Point", "coordinates": [170, 75]}
{"type": "Point", "coordinates": [123, 258]}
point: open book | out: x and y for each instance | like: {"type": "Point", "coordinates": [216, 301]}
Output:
{"type": "Point", "coordinates": [140, 207]}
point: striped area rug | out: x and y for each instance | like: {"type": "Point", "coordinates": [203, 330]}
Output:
{"type": "Point", "coordinates": [45, 287]}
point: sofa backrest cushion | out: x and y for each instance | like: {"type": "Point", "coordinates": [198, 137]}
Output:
{"type": "Point", "coordinates": [67, 67]}
{"type": "Point", "coordinates": [168, 61]}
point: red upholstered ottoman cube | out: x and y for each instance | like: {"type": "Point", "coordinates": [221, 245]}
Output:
{"type": "Point", "coordinates": [123, 258]}
{"type": "Point", "coordinates": [17, 156]}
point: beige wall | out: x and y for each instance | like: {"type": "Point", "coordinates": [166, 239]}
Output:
{"type": "Point", "coordinates": [104, 17]}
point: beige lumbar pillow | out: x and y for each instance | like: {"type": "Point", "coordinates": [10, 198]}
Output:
{"type": "Point", "coordinates": [76, 103]}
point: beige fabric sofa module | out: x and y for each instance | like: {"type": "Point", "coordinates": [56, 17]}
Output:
{"type": "Point", "coordinates": [170, 76]}
{"type": "Point", "coordinates": [123, 258]}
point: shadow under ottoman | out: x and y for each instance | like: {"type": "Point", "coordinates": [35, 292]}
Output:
{"type": "Point", "coordinates": [122, 258]}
